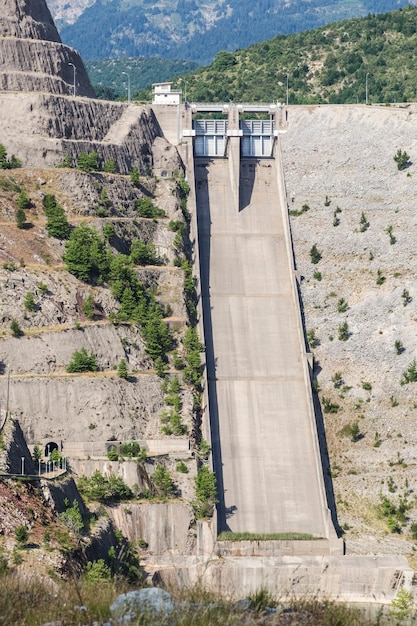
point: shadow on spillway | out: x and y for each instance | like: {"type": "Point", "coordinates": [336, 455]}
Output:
{"type": "Point", "coordinates": [247, 173]}
{"type": "Point", "coordinates": [204, 232]}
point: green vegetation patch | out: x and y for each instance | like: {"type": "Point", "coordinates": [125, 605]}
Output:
{"type": "Point", "coordinates": [230, 536]}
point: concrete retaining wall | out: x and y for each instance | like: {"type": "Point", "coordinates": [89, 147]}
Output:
{"type": "Point", "coordinates": [164, 526]}
{"type": "Point", "coordinates": [316, 547]}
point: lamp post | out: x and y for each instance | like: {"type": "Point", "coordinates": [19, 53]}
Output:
{"type": "Point", "coordinates": [366, 87]}
{"type": "Point", "coordinates": [128, 86]}
{"type": "Point", "coordinates": [74, 69]}
{"type": "Point", "coordinates": [287, 90]}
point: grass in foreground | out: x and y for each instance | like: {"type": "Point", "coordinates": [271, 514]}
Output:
{"type": "Point", "coordinates": [31, 602]}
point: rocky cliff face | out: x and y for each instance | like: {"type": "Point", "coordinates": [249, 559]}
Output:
{"type": "Point", "coordinates": [52, 126]}
{"type": "Point", "coordinates": [49, 403]}
{"type": "Point", "coordinates": [32, 57]}
{"type": "Point", "coordinates": [14, 450]}
{"type": "Point", "coordinates": [28, 20]}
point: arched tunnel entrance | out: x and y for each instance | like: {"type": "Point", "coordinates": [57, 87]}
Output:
{"type": "Point", "coordinates": [49, 447]}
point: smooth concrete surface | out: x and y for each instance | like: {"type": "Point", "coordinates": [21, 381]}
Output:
{"type": "Point", "coordinates": [353, 579]}
{"type": "Point", "coordinates": [263, 431]}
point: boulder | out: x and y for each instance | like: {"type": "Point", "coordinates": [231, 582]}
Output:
{"type": "Point", "coordinates": [149, 600]}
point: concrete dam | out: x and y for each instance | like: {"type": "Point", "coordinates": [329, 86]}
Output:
{"type": "Point", "coordinates": [262, 424]}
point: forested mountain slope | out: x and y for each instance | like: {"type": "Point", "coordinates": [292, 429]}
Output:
{"type": "Point", "coordinates": [194, 29]}
{"type": "Point", "coordinates": [332, 64]}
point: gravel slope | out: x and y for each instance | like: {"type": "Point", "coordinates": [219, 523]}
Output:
{"type": "Point", "coordinates": [346, 153]}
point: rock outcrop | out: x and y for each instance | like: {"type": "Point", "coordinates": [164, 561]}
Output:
{"type": "Point", "coordinates": [14, 453]}
{"type": "Point", "coordinates": [26, 19]}
{"type": "Point", "coordinates": [32, 57]}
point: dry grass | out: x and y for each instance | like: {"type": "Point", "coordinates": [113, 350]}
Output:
{"type": "Point", "coordinates": [32, 601]}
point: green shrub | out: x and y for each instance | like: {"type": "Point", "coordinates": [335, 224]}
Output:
{"type": "Point", "coordinates": [57, 224]}
{"type": "Point", "coordinates": [135, 177]}
{"type": "Point", "coordinates": [410, 374]}
{"type": "Point", "coordinates": [73, 519]}
{"type": "Point", "coordinates": [312, 339]}
{"type": "Point", "coordinates": [352, 431]}
{"type": "Point", "coordinates": [15, 328]}
{"type": "Point", "coordinates": [142, 253]}
{"type": "Point", "coordinates": [97, 571]}
{"type": "Point", "coordinates": [108, 231]}
{"type": "Point", "coordinates": [304, 209]}
{"type": "Point", "coordinates": [393, 401]}
{"type": "Point", "coordinates": [130, 449]}
{"type": "Point", "coordinates": [37, 452]}
{"type": "Point", "coordinates": [392, 238]}
{"type": "Point", "coordinates": [82, 362]}
{"type": "Point", "coordinates": [399, 348]}
{"type": "Point", "coordinates": [406, 297]}
{"type": "Point", "coordinates": [43, 288]}
{"type": "Point", "coordinates": [23, 202]}
{"type": "Point", "coordinates": [20, 218]}
{"type": "Point", "coordinates": [402, 606]}
{"type": "Point", "coordinates": [29, 302]}
{"type": "Point", "coordinates": [337, 380]}
{"type": "Point", "coordinates": [112, 454]}
{"type": "Point", "coordinates": [55, 455]}
{"type": "Point", "coordinates": [364, 224]}
{"type": "Point", "coordinates": [3, 157]}
{"type": "Point", "coordinates": [205, 491]}
{"type": "Point", "coordinates": [10, 267]}
{"type": "Point", "coordinates": [146, 208]}
{"type": "Point", "coordinates": [181, 467]}
{"type": "Point", "coordinates": [88, 162]}
{"type": "Point", "coordinates": [88, 307]}
{"type": "Point", "coordinates": [204, 449]}
{"type": "Point", "coordinates": [21, 534]}
{"type": "Point", "coordinates": [380, 278]}
{"type": "Point", "coordinates": [401, 158]}
{"type": "Point", "coordinates": [102, 489]}
{"type": "Point", "coordinates": [342, 306]}
{"type": "Point", "coordinates": [315, 255]}
{"type": "Point", "coordinates": [122, 369]}
{"type": "Point", "coordinates": [86, 256]}
{"type": "Point", "coordinates": [109, 166]}
{"type": "Point", "coordinates": [343, 332]}
{"type": "Point", "coordinates": [329, 406]}
{"type": "Point", "coordinates": [163, 483]}
{"type": "Point", "coordinates": [66, 162]}
{"type": "Point", "coordinates": [262, 600]}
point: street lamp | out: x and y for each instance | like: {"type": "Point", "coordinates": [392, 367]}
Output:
{"type": "Point", "coordinates": [75, 73]}
{"type": "Point", "coordinates": [287, 88]}
{"type": "Point", "coordinates": [366, 87]}
{"type": "Point", "coordinates": [128, 85]}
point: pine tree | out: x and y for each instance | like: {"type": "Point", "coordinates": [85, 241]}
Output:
{"type": "Point", "coordinates": [122, 370]}
{"type": "Point", "coordinates": [20, 218]}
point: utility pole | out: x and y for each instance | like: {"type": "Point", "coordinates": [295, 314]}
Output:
{"type": "Point", "coordinates": [287, 89]}
{"type": "Point", "coordinates": [366, 87]}
{"type": "Point", "coordinates": [128, 86]}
